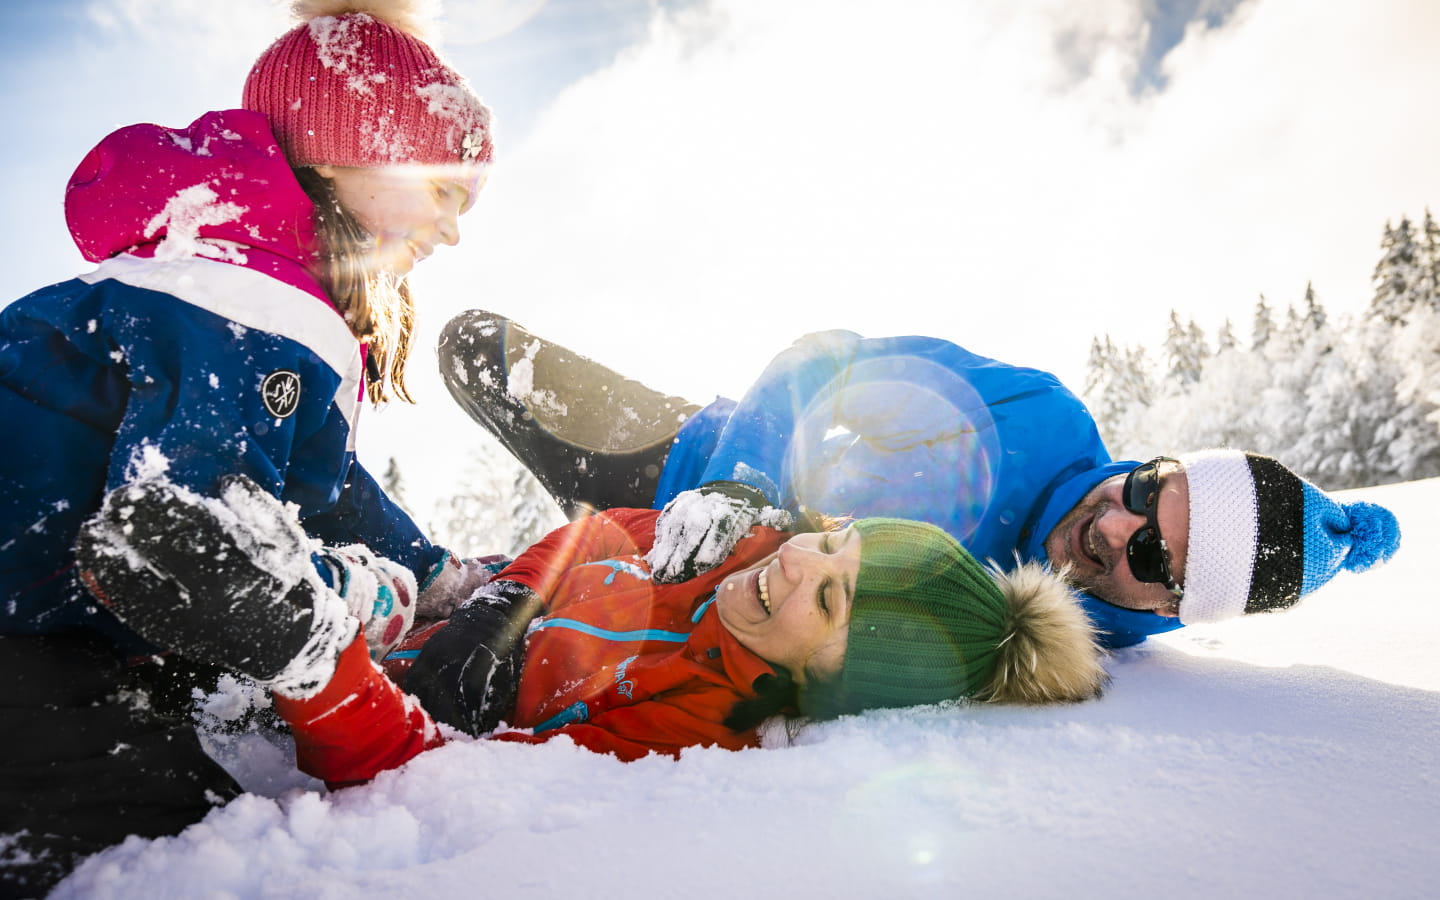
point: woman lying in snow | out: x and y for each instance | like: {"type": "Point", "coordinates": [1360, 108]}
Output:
{"type": "Point", "coordinates": [574, 639]}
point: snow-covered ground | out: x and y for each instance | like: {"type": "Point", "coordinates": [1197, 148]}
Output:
{"type": "Point", "coordinates": [1291, 756]}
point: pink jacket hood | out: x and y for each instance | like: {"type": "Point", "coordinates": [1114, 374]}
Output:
{"type": "Point", "coordinates": [220, 188]}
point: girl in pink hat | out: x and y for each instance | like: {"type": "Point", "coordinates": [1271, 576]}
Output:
{"type": "Point", "coordinates": [250, 294]}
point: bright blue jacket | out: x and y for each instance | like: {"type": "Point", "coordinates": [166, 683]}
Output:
{"type": "Point", "coordinates": [914, 427]}
{"type": "Point", "coordinates": [177, 361]}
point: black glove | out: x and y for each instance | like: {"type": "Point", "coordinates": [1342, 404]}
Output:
{"type": "Point", "coordinates": [225, 580]}
{"type": "Point", "coordinates": [698, 529]}
{"type": "Point", "coordinates": [468, 672]}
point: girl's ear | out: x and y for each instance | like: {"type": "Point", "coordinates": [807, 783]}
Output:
{"type": "Point", "coordinates": [827, 660]}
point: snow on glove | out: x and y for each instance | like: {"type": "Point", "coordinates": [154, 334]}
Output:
{"type": "Point", "coordinates": [697, 530]}
{"type": "Point", "coordinates": [452, 581]}
{"type": "Point", "coordinates": [468, 672]}
{"type": "Point", "coordinates": [380, 593]}
{"type": "Point", "coordinates": [226, 580]}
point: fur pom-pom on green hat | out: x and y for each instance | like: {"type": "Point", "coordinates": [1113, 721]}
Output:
{"type": "Point", "coordinates": [931, 623]}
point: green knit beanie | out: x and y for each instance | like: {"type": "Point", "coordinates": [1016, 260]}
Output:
{"type": "Point", "coordinates": [925, 625]}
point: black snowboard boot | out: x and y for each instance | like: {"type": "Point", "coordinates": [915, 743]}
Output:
{"type": "Point", "coordinates": [593, 438]}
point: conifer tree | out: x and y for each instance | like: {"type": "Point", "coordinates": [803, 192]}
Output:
{"type": "Point", "coordinates": [1345, 403]}
{"type": "Point", "coordinates": [1427, 286]}
{"type": "Point", "coordinates": [1134, 380]}
{"type": "Point", "coordinates": [474, 520]}
{"type": "Point", "coordinates": [393, 483]}
{"type": "Point", "coordinates": [1199, 346]}
{"type": "Point", "coordinates": [1415, 453]}
{"type": "Point", "coordinates": [533, 514]}
{"type": "Point", "coordinates": [1294, 330]}
{"type": "Point", "coordinates": [1262, 327]}
{"type": "Point", "coordinates": [1314, 313]}
{"type": "Point", "coordinates": [1396, 275]}
{"type": "Point", "coordinates": [1185, 352]}
{"type": "Point", "coordinates": [1098, 365]}
{"type": "Point", "coordinates": [495, 506]}
{"type": "Point", "coordinates": [1349, 405]}
{"type": "Point", "coordinates": [1104, 402]}
{"type": "Point", "coordinates": [1226, 341]}
{"type": "Point", "coordinates": [1118, 390]}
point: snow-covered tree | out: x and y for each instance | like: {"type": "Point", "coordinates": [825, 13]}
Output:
{"type": "Point", "coordinates": [1226, 341]}
{"type": "Point", "coordinates": [1185, 352]}
{"type": "Point", "coordinates": [1427, 285]}
{"type": "Point", "coordinates": [1314, 314]}
{"type": "Point", "coordinates": [1397, 274]}
{"type": "Point", "coordinates": [474, 519]}
{"type": "Point", "coordinates": [1293, 333]}
{"type": "Point", "coordinates": [1100, 368]}
{"type": "Point", "coordinates": [1222, 409]}
{"type": "Point", "coordinates": [393, 483]}
{"type": "Point", "coordinates": [1263, 325]}
{"type": "Point", "coordinates": [496, 506]}
{"type": "Point", "coordinates": [1119, 389]}
{"type": "Point", "coordinates": [1098, 365]}
{"type": "Point", "coordinates": [533, 513]}
{"type": "Point", "coordinates": [1415, 452]}
{"type": "Point", "coordinates": [1345, 403]}
{"type": "Point", "coordinates": [1349, 408]}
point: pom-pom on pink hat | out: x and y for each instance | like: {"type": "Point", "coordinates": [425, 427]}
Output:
{"type": "Point", "coordinates": [355, 85]}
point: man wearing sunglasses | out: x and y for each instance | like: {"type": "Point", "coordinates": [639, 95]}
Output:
{"type": "Point", "coordinates": [1115, 545]}
{"type": "Point", "coordinates": [1005, 458]}
{"type": "Point", "coordinates": [1210, 536]}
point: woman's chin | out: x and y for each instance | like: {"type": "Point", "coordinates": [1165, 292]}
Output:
{"type": "Point", "coordinates": [396, 258]}
{"type": "Point", "coordinates": [400, 264]}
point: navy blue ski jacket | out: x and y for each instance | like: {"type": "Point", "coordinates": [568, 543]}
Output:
{"type": "Point", "coordinates": [201, 346]}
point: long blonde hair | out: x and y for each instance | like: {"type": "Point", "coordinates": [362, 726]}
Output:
{"type": "Point", "coordinates": [375, 303]}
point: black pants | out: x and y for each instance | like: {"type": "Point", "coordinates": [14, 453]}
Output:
{"type": "Point", "coordinates": [88, 755]}
{"type": "Point", "coordinates": [593, 438]}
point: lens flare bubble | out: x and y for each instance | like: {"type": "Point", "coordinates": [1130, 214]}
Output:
{"type": "Point", "coordinates": [918, 819]}
{"type": "Point", "coordinates": [883, 423]}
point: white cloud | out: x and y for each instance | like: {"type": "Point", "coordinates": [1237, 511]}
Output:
{"type": "Point", "coordinates": [755, 170]}
{"type": "Point", "coordinates": [477, 21]}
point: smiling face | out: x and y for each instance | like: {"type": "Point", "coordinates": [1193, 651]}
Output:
{"type": "Point", "coordinates": [793, 608]}
{"type": "Point", "coordinates": [408, 210]}
{"type": "Point", "coordinates": [1091, 540]}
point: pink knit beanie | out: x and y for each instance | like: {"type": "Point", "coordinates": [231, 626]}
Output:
{"type": "Point", "coordinates": [360, 88]}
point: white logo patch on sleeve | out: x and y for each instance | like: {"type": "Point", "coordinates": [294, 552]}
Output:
{"type": "Point", "coordinates": [281, 393]}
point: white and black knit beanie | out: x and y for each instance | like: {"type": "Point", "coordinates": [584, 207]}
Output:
{"type": "Point", "coordinates": [1262, 537]}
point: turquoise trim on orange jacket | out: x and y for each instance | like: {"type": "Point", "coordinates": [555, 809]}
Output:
{"type": "Point", "coordinates": [618, 665]}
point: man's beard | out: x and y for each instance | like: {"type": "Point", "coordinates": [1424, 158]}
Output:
{"type": "Point", "coordinates": [1080, 573]}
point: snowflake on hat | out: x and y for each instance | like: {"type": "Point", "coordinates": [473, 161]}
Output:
{"type": "Point", "coordinates": [357, 84]}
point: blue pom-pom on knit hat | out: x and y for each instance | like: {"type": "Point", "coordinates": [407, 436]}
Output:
{"type": "Point", "coordinates": [1262, 537]}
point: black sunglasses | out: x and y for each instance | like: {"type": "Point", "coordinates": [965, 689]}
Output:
{"type": "Point", "coordinates": [1146, 550]}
